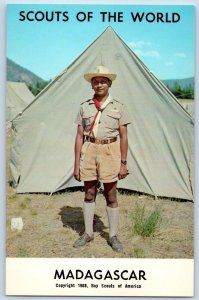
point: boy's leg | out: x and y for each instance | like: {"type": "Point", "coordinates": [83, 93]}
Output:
{"type": "Point", "coordinates": [88, 212]}
{"type": "Point", "coordinates": [89, 205]}
{"type": "Point", "coordinates": [110, 194]}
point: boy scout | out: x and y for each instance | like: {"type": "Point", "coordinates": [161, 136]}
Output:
{"type": "Point", "coordinates": [100, 152]}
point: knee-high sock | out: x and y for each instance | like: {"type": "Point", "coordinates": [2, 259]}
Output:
{"type": "Point", "coordinates": [113, 219]}
{"type": "Point", "coordinates": [88, 211]}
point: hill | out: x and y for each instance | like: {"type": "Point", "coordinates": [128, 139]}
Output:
{"type": "Point", "coordinates": [17, 73]}
{"type": "Point", "coordinates": [183, 83]}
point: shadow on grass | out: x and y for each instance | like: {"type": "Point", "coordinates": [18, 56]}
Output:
{"type": "Point", "coordinates": [73, 217]}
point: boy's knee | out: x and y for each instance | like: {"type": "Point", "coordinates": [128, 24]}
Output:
{"type": "Point", "coordinates": [89, 196]}
{"type": "Point", "coordinates": [111, 197]}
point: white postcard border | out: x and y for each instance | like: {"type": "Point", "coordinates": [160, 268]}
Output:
{"type": "Point", "coordinates": [100, 277]}
{"type": "Point", "coordinates": [8, 262]}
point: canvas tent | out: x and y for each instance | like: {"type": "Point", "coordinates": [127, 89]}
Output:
{"type": "Point", "coordinates": [160, 156]}
{"type": "Point", "coordinates": [188, 104]}
{"type": "Point", "coordinates": [18, 96]}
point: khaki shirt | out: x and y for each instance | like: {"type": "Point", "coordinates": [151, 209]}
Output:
{"type": "Point", "coordinates": [114, 115]}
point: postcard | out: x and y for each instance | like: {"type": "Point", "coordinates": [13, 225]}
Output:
{"type": "Point", "coordinates": [100, 149]}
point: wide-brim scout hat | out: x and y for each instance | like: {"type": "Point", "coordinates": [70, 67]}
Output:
{"type": "Point", "coordinates": [100, 71]}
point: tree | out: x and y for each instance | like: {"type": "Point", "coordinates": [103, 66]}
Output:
{"type": "Point", "coordinates": [38, 87]}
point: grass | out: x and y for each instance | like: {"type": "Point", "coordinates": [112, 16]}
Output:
{"type": "Point", "coordinates": [25, 203]}
{"type": "Point", "coordinates": [45, 218]}
{"type": "Point", "coordinates": [22, 252]}
{"type": "Point", "coordinates": [138, 252]}
{"type": "Point", "coordinates": [146, 225]}
{"type": "Point", "coordinates": [13, 196]}
{"type": "Point", "coordinates": [27, 200]}
{"type": "Point", "coordinates": [33, 212]}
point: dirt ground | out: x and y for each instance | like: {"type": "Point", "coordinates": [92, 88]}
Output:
{"type": "Point", "coordinates": [51, 224]}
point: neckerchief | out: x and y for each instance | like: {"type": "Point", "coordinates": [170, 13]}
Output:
{"type": "Point", "coordinates": [100, 108]}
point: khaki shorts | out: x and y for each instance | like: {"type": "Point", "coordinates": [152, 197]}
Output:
{"type": "Point", "coordinates": [100, 162]}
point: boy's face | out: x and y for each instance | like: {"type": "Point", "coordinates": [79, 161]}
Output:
{"type": "Point", "coordinates": [101, 86]}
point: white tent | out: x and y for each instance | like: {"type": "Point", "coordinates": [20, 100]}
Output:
{"type": "Point", "coordinates": [160, 156]}
{"type": "Point", "coordinates": [189, 105]}
{"type": "Point", "coordinates": [18, 96]}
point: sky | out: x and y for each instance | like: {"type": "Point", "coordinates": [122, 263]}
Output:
{"type": "Point", "coordinates": [47, 47]}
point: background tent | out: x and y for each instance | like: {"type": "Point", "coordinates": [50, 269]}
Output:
{"type": "Point", "coordinates": [160, 137]}
{"type": "Point", "coordinates": [18, 96]}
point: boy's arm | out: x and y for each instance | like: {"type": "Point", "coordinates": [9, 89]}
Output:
{"type": "Point", "coordinates": [123, 150]}
{"type": "Point", "coordinates": [78, 147]}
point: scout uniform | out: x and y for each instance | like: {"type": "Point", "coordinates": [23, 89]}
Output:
{"type": "Point", "coordinates": [100, 158]}
{"type": "Point", "coordinates": [100, 154]}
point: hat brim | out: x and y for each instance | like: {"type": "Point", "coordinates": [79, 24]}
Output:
{"type": "Point", "coordinates": [89, 76]}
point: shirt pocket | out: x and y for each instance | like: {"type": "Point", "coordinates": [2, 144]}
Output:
{"type": "Point", "coordinates": [87, 120]}
{"type": "Point", "coordinates": [112, 119]}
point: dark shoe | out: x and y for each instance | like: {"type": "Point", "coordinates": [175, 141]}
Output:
{"type": "Point", "coordinates": [85, 238]}
{"type": "Point", "coordinates": [115, 244]}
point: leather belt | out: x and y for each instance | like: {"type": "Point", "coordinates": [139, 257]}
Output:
{"type": "Point", "coordinates": [98, 141]}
